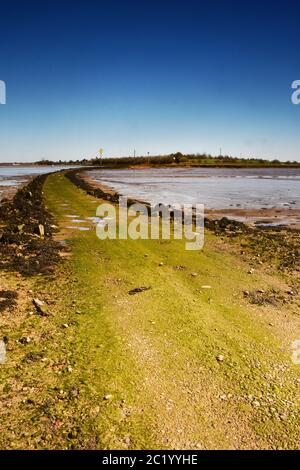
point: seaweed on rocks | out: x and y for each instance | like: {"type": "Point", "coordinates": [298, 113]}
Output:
{"type": "Point", "coordinates": [26, 232]}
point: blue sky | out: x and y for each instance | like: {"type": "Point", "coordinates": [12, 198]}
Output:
{"type": "Point", "coordinates": [157, 76]}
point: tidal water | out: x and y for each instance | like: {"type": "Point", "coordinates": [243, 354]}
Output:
{"type": "Point", "coordinates": [216, 188]}
{"type": "Point", "coordinates": [11, 177]}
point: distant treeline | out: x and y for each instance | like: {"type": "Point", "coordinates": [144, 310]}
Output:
{"type": "Point", "coordinates": [178, 159]}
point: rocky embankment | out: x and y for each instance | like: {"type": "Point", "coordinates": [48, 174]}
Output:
{"type": "Point", "coordinates": [26, 229]}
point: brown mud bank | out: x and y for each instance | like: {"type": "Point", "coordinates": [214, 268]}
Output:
{"type": "Point", "coordinates": [26, 229]}
{"type": "Point", "coordinates": [279, 246]}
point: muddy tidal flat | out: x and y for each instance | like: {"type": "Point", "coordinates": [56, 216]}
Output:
{"type": "Point", "coordinates": [259, 196]}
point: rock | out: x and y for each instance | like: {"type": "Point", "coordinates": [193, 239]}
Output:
{"type": "Point", "coordinates": [251, 271]}
{"type": "Point", "coordinates": [194, 274]}
{"type": "Point", "coordinates": [246, 293]}
{"type": "Point", "coordinates": [220, 358]}
{"type": "Point", "coordinates": [161, 264]}
{"type": "Point", "coordinates": [25, 340]}
{"type": "Point", "coordinates": [256, 403]}
{"type": "Point", "coordinates": [137, 290]}
{"type": "Point", "coordinates": [127, 441]}
{"type": "Point", "coordinates": [65, 325]}
{"type": "Point", "coordinates": [108, 397]}
{"type": "Point", "coordinates": [205, 287]}
{"type": "Point", "coordinates": [42, 230]}
{"type": "Point", "coordinates": [38, 303]}
{"type": "Point", "coordinates": [33, 357]}
{"type": "Point", "coordinates": [2, 352]}
{"type": "Point", "coordinates": [41, 308]}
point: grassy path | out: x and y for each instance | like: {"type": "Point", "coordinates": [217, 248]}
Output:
{"type": "Point", "coordinates": [142, 371]}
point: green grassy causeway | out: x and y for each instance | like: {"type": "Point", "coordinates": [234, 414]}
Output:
{"type": "Point", "coordinates": [177, 366]}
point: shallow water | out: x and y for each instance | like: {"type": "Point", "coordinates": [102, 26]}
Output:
{"type": "Point", "coordinates": [14, 176]}
{"type": "Point", "coordinates": [216, 188]}
{"type": "Point", "coordinates": [82, 229]}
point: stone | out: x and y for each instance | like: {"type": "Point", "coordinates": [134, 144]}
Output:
{"type": "Point", "coordinates": [220, 358]}
{"type": "Point", "coordinates": [108, 397]}
{"type": "Point", "coordinates": [137, 290]}
{"type": "Point", "coordinates": [41, 308]}
{"type": "Point", "coordinates": [25, 340]}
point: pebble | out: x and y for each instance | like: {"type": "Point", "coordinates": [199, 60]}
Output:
{"type": "Point", "coordinates": [108, 397]}
{"type": "Point", "coordinates": [220, 358]}
{"type": "Point", "coordinates": [127, 441]}
{"type": "Point", "coordinates": [25, 340]}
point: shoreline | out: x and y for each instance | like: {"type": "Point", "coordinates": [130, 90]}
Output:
{"type": "Point", "coordinates": [259, 241]}
{"type": "Point", "coordinates": [252, 218]}
{"type": "Point", "coordinates": [8, 191]}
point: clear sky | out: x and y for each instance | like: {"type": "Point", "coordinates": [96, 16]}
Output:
{"type": "Point", "coordinates": [157, 76]}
